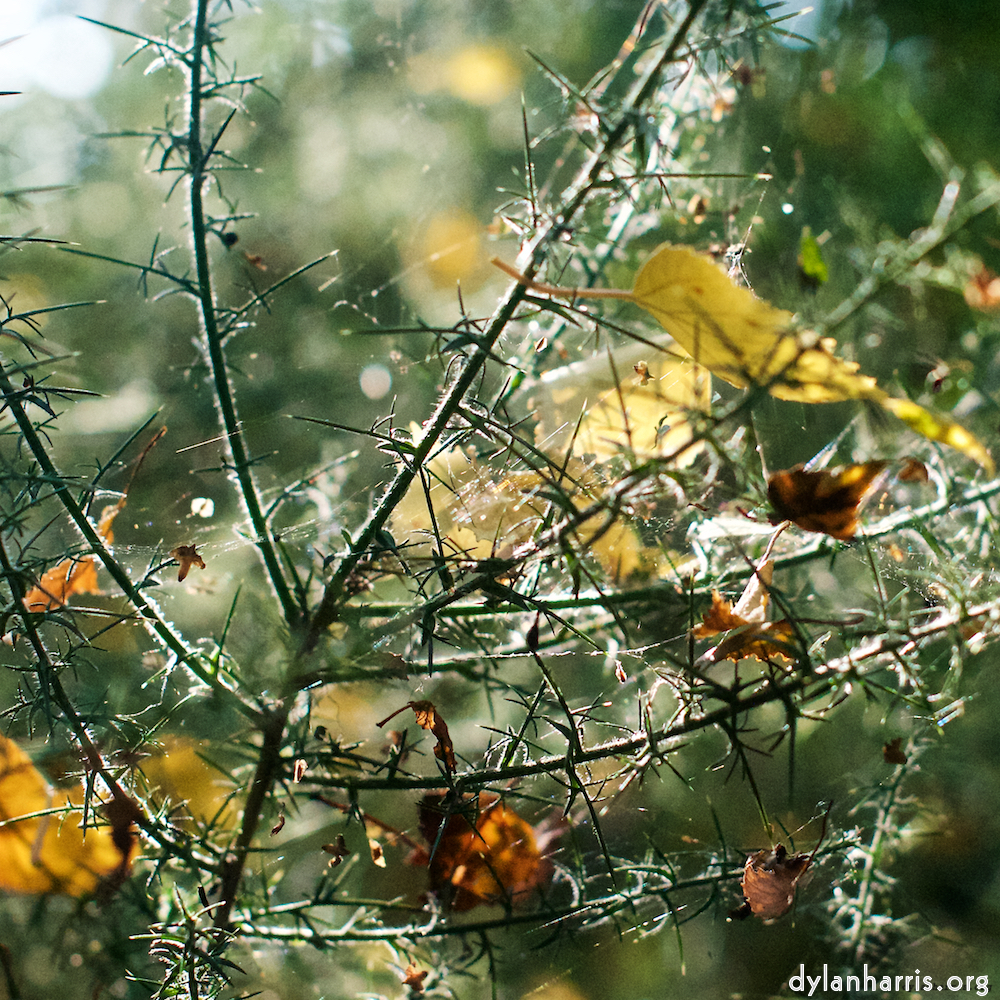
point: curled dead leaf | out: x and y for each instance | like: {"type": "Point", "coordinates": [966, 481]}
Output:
{"type": "Point", "coordinates": [428, 718]}
{"type": "Point", "coordinates": [718, 618]}
{"type": "Point", "coordinates": [338, 850]}
{"type": "Point", "coordinates": [764, 642]}
{"type": "Point", "coordinates": [414, 978]}
{"type": "Point", "coordinates": [770, 879]}
{"type": "Point", "coordinates": [187, 558]}
{"type": "Point", "coordinates": [748, 631]}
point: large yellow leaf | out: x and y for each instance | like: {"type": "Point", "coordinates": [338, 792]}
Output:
{"type": "Point", "coordinates": [747, 341]}
{"type": "Point", "coordinates": [49, 853]}
{"type": "Point", "coordinates": [740, 338]}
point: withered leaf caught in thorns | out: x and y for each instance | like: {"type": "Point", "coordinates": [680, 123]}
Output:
{"type": "Point", "coordinates": [824, 501]}
{"type": "Point", "coordinates": [749, 633]}
{"type": "Point", "coordinates": [770, 879]}
{"type": "Point", "coordinates": [480, 851]}
{"type": "Point", "coordinates": [187, 557]}
{"type": "Point", "coordinates": [428, 718]}
{"type": "Point", "coordinates": [414, 978]}
{"type": "Point", "coordinates": [78, 574]}
{"type": "Point", "coordinates": [338, 850]}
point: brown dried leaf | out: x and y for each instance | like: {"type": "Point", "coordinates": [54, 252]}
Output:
{"type": "Point", "coordinates": [892, 752]}
{"type": "Point", "coordinates": [825, 501]}
{"type": "Point", "coordinates": [428, 718]}
{"type": "Point", "coordinates": [749, 633]}
{"type": "Point", "coordinates": [770, 879]}
{"type": "Point", "coordinates": [338, 849]}
{"type": "Point", "coordinates": [414, 978]}
{"type": "Point", "coordinates": [913, 471]}
{"type": "Point", "coordinates": [77, 575]}
{"type": "Point", "coordinates": [187, 556]}
{"type": "Point", "coordinates": [718, 618]}
{"type": "Point", "coordinates": [764, 642]}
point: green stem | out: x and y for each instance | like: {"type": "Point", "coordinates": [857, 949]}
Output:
{"type": "Point", "coordinates": [875, 656]}
{"type": "Point", "coordinates": [225, 402]}
{"type": "Point", "coordinates": [267, 770]}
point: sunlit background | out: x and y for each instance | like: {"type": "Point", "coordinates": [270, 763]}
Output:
{"type": "Point", "coordinates": [388, 135]}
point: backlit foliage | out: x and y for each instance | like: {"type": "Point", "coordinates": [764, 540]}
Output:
{"type": "Point", "coordinates": [465, 609]}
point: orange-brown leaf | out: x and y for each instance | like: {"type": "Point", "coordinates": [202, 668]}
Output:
{"type": "Point", "coordinates": [77, 575]}
{"type": "Point", "coordinates": [478, 857]}
{"type": "Point", "coordinates": [824, 501]}
{"type": "Point", "coordinates": [414, 978]}
{"type": "Point", "coordinates": [718, 618]}
{"type": "Point", "coordinates": [982, 291]}
{"type": "Point", "coordinates": [764, 641]}
{"type": "Point", "coordinates": [429, 718]}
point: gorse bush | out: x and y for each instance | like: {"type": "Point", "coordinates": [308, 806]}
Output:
{"type": "Point", "coordinates": [533, 647]}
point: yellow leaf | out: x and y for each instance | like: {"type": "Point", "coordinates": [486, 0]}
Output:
{"type": "Point", "coordinates": [634, 402]}
{"type": "Point", "coordinates": [939, 428]}
{"type": "Point", "coordinates": [48, 853]}
{"type": "Point", "coordinates": [747, 341]}
{"type": "Point", "coordinates": [740, 338]}
{"type": "Point", "coordinates": [480, 513]}
{"type": "Point", "coordinates": [180, 775]}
